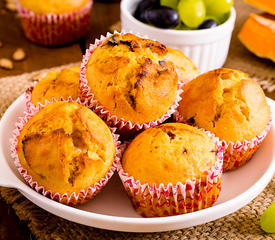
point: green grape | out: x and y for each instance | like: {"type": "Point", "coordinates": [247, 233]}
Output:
{"type": "Point", "coordinates": [220, 19]}
{"type": "Point", "coordinates": [223, 18]}
{"type": "Point", "coordinates": [217, 8]}
{"type": "Point", "coordinates": [170, 3]}
{"type": "Point", "coordinates": [178, 27]}
{"type": "Point", "coordinates": [191, 12]}
{"type": "Point", "coordinates": [268, 219]}
{"type": "Point", "coordinates": [181, 26]}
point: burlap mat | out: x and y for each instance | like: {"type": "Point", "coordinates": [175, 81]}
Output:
{"type": "Point", "coordinates": [243, 224]}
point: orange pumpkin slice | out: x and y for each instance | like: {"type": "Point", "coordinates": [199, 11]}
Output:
{"type": "Point", "coordinates": [267, 5]}
{"type": "Point", "coordinates": [258, 35]}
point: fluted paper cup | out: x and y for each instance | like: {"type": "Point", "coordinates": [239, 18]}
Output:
{"type": "Point", "coordinates": [55, 29]}
{"type": "Point", "coordinates": [165, 200]}
{"type": "Point", "coordinates": [121, 124]}
{"type": "Point", "coordinates": [65, 198]}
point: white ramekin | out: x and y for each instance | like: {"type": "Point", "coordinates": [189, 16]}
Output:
{"type": "Point", "coordinates": [208, 48]}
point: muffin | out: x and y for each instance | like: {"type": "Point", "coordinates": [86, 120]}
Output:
{"type": "Point", "coordinates": [54, 22]}
{"type": "Point", "coordinates": [57, 84]}
{"type": "Point", "coordinates": [184, 66]}
{"type": "Point", "coordinates": [233, 107]}
{"type": "Point", "coordinates": [67, 150]}
{"type": "Point", "coordinates": [130, 78]}
{"type": "Point", "coordinates": [172, 169]}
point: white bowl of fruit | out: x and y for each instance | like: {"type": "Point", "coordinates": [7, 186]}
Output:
{"type": "Point", "coordinates": [202, 29]}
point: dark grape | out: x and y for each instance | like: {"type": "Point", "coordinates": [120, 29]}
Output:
{"type": "Point", "coordinates": [162, 17]}
{"type": "Point", "coordinates": [142, 6]}
{"type": "Point", "coordinates": [208, 24]}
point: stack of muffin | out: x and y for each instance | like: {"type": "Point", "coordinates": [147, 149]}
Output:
{"type": "Point", "coordinates": [67, 148]}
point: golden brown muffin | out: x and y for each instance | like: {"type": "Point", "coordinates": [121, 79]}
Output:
{"type": "Point", "coordinates": [64, 83]}
{"type": "Point", "coordinates": [130, 78]}
{"type": "Point", "coordinates": [227, 103]}
{"type": "Point", "coordinates": [169, 153]}
{"type": "Point", "coordinates": [185, 67]}
{"type": "Point", "coordinates": [66, 147]}
{"type": "Point", "coordinates": [171, 169]}
{"type": "Point", "coordinates": [53, 6]}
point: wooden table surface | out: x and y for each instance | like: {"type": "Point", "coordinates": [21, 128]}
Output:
{"type": "Point", "coordinates": [103, 16]}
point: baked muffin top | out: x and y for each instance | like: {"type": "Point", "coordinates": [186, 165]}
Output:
{"type": "Point", "coordinates": [64, 83]}
{"type": "Point", "coordinates": [169, 153]}
{"type": "Point", "coordinates": [184, 66]}
{"type": "Point", "coordinates": [66, 147]}
{"type": "Point", "coordinates": [53, 6]}
{"type": "Point", "coordinates": [227, 103]}
{"type": "Point", "coordinates": [130, 78]}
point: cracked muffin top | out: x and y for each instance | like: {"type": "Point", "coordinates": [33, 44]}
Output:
{"type": "Point", "coordinates": [130, 77]}
{"type": "Point", "coordinates": [64, 83]}
{"type": "Point", "coordinates": [169, 153]}
{"type": "Point", "coordinates": [186, 69]}
{"type": "Point", "coordinates": [66, 147]}
{"type": "Point", "coordinates": [227, 103]}
{"type": "Point", "coordinates": [53, 6]}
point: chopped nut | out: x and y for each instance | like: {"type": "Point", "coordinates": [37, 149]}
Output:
{"type": "Point", "coordinates": [19, 55]}
{"type": "Point", "coordinates": [39, 76]}
{"type": "Point", "coordinates": [6, 63]}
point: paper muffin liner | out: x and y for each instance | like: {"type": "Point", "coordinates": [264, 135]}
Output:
{"type": "Point", "coordinates": [65, 198]}
{"type": "Point", "coordinates": [55, 29]}
{"type": "Point", "coordinates": [112, 120]}
{"type": "Point", "coordinates": [236, 154]}
{"type": "Point", "coordinates": [165, 200]}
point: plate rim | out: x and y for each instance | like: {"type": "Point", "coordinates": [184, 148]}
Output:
{"type": "Point", "coordinates": [131, 224]}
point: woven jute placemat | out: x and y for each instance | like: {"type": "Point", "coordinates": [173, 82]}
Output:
{"type": "Point", "coordinates": [243, 224]}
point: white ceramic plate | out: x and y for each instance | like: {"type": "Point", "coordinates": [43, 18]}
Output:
{"type": "Point", "coordinates": [112, 210]}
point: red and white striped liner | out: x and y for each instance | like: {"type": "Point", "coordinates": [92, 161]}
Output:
{"type": "Point", "coordinates": [55, 29]}
{"type": "Point", "coordinates": [113, 120]}
{"type": "Point", "coordinates": [76, 197]}
{"type": "Point", "coordinates": [237, 153]}
{"type": "Point", "coordinates": [184, 197]}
